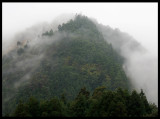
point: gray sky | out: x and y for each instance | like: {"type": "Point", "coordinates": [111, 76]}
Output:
{"type": "Point", "coordinates": [140, 20]}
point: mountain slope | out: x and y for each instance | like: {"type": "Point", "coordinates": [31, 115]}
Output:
{"type": "Point", "coordinates": [61, 62]}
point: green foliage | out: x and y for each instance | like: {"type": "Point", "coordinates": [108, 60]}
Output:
{"type": "Point", "coordinates": [98, 92]}
{"type": "Point", "coordinates": [134, 102]}
{"type": "Point", "coordinates": [102, 103]}
{"type": "Point", "coordinates": [145, 102]}
{"type": "Point", "coordinates": [50, 33]}
{"type": "Point", "coordinates": [21, 110]}
{"type": "Point", "coordinates": [82, 58]}
{"type": "Point", "coordinates": [33, 107]}
{"type": "Point", "coordinates": [154, 111]}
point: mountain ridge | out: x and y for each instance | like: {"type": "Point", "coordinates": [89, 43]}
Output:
{"type": "Point", "coordinates": [63, 61]}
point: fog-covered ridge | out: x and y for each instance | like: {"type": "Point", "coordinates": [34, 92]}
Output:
{"type": "Point", "coordinates": [140, 66]}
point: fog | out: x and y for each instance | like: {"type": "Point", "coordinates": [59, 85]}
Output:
{"type": "Point", "coordinates": [138, 19]}
{"type": "Point", "coordinates": [140, 65]}
{"type": "Point", "coordinates": [131, 28]}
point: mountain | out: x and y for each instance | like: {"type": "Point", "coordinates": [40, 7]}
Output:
{"type": "Point", "coordinates": [60, 62]}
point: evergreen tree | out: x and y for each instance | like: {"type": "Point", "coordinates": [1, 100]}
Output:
{"type": "Point", "coordinates": [135, 106]}
{"type": "Point", "coordinates": [21, 110]}
{"type": "Point", "coordinates": [33, 107]}
{"type": "Point", "coordinates": [145, 102]}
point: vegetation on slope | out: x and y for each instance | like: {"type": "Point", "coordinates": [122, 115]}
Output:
{"type": "Point", "coordinates": [101, 103]}
{"type": "Point", "coordinates": [81, 58]}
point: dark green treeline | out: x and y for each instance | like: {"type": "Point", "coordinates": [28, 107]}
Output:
{"type": "Point", "coordinates": [101, 103]}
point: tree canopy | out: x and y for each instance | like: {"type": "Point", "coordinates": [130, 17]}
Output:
{"type": "Point", "coordinates": [102, 103]}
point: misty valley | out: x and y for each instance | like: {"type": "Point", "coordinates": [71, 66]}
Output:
{"type": "Point", "coordinates": [78, 68]}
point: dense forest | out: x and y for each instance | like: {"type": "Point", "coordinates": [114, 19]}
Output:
{"type": "Point", "coordinates": [58, 64]}
{"type": "Point", "coordinates": [101, 103]}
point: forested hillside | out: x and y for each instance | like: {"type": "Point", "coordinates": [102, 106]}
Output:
{"type": "Point", "coordinates": [58, 64]}
{"type": "Point", "coordinates": [101, 103]}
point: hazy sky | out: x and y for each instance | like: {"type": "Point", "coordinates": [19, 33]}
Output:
{"type": "Point", "coordinates": [140, 20]}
